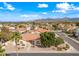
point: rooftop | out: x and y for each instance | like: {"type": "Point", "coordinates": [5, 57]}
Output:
{"type": "Point", "coordinates": [41, 30]}
{"type": "Point", "coordinates": [30, 36]}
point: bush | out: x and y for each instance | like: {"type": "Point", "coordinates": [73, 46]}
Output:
{"type": "Point", "coordinates": [58, 41]}
{"type": "Point", "coordinates": [48, 39]}
{"type": "Point", "coordinates": [59, 49]}
{"type": "Point", "coordinates": [67, 46]}
{"type": "Point", "coordinates": [2, 51]}
{"type": "Point", "coordinates": [62, 47]}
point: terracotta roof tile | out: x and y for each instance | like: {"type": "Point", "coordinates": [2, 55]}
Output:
{"type": "Point", "coordinates": [42, 30]}
{"type": "Point", "coordinates": [30, 36]}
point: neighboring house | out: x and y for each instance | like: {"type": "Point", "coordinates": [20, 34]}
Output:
{"type": "Point", "coordinates": [1, 25]}
{"type": "Point", "coordinates": [67, 27]}
{"type": "Point", "coordinates": [71, 27]}
{"type": "Point", "coordinates": [24, 29]}
{"type": "Point", "coordinates": [77, 32]}
{"type": "Point", "coordinates": [12, 29]}
{"type": "Point", "coordinates": [41, 30]}
{"type": "Point", "coordinates": [36, 27]}
{"type": "Point", "coordinates": [61, 26]}
{"type": "Point", "coordinates": [28, 28]}
{"type": "Point", "coordinates": [0, 29]}
{"type": "Point", "coordinates": [21, 30]}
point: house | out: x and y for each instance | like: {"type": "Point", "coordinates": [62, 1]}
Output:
{"type": "Point", "coordinates": [1, 25]}
{"type": "Point", "coordinates": [61, 26]}
{"type": "Point", "coordinates": [67, 26]}
{"type": "Point", "coordinates": [28, 28]}
{"type": "Point", "coordinates": [71, 27]}
{"type": "Point", "coordinates": [41, 30]}
{"type": "Point", "coordinates": [33, 38]}
{"type": "Point", "coordinates": [24, 28]}
{"type": "Point", "coordinates": [0, 29]}
{"type": "Point", "coordinates": [77, 32]}
{"type": "Point", "coordinates": [12, 29]}
{"type": "Point", "coordinates": [20, 30]}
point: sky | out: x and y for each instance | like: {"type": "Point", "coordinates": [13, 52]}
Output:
{"type": "Point", "coordinates": [28, 11]}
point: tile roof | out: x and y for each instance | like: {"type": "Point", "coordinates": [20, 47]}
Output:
{"type": "Point", "coordinates": [42, 30]}
{"type": "Point", "coordinates": [21, 29]}
{"type": "Point", "coordinates": [30, 36]}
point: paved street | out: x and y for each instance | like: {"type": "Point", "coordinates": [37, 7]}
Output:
{"type": "Point", "coordinates": [43, 54]}
{"type": "Point", "coordinates": [69, 40]}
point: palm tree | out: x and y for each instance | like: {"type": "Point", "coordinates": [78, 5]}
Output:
{"type": "Point", "coordinates": [16, 37]}
{"type": "Point", "coordinates": [2, 51]}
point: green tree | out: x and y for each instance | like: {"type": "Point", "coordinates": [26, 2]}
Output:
{"type": "Point", "coordinates": [47, 39]}
{"type": "Point", "coordinates": [58, 41]}
{"type": "Point", "coordinates": [55, 27]}
{"type": "Point", "coordinates": [5, 34]}
{"type": "Point", "coordinates": [2, 51]}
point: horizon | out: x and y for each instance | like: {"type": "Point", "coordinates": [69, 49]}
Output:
{"type": "Point", "coordinates": [53, 19]}
{"type": "Point", "coordinates": [30, 11]}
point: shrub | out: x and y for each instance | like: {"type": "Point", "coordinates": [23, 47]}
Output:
{"type": "Point", "coordinates": [67, 46]}
{"type": "Point", "coordinates": [58, 41]}
{"type": "Point", "coordinates": [48, 39]}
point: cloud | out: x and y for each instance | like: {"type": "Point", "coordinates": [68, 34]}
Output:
{"type": "Point", "coordinates": [63, 11]}
{"type": "Point", "coordinates": [67, 6]}
{"type": "Point", "coordinates": [1, 8]}
{"type": "Point", "coordinates": [42, 5]}
{"type": "Point", "coordinates": [9, 6]}
{"type": "Point", "coordinates": [64, 7]}
{"type": "Point", "coordinates": [31, 15]}
{"type": "Point", "coordinates": [77, 8]}
{"type": "Point", "coordinates": [44, 13]}
{"type": "Point", "coordinates": [77, 15]}
{"type": "Point", "coordinates": [27, 17]}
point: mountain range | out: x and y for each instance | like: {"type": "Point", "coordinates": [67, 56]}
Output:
{"type": "Point", "coordinates": [58, 19]}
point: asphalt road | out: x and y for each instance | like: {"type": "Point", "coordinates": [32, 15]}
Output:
{"type": "Point", "coordinates": [69, 40]}
{"type": "Point", "coordinates": [43, 54]}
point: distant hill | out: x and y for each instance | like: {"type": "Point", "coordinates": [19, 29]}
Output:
{"type": "Point", "coordinates": [58, 20]}
{"type": "Point", "coordinates": [48, 20]}
{"type": "Point", "coordinates": [74, 19]}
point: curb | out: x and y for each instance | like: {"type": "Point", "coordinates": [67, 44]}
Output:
{"type": "Point", "coordinates": [72, 39]}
